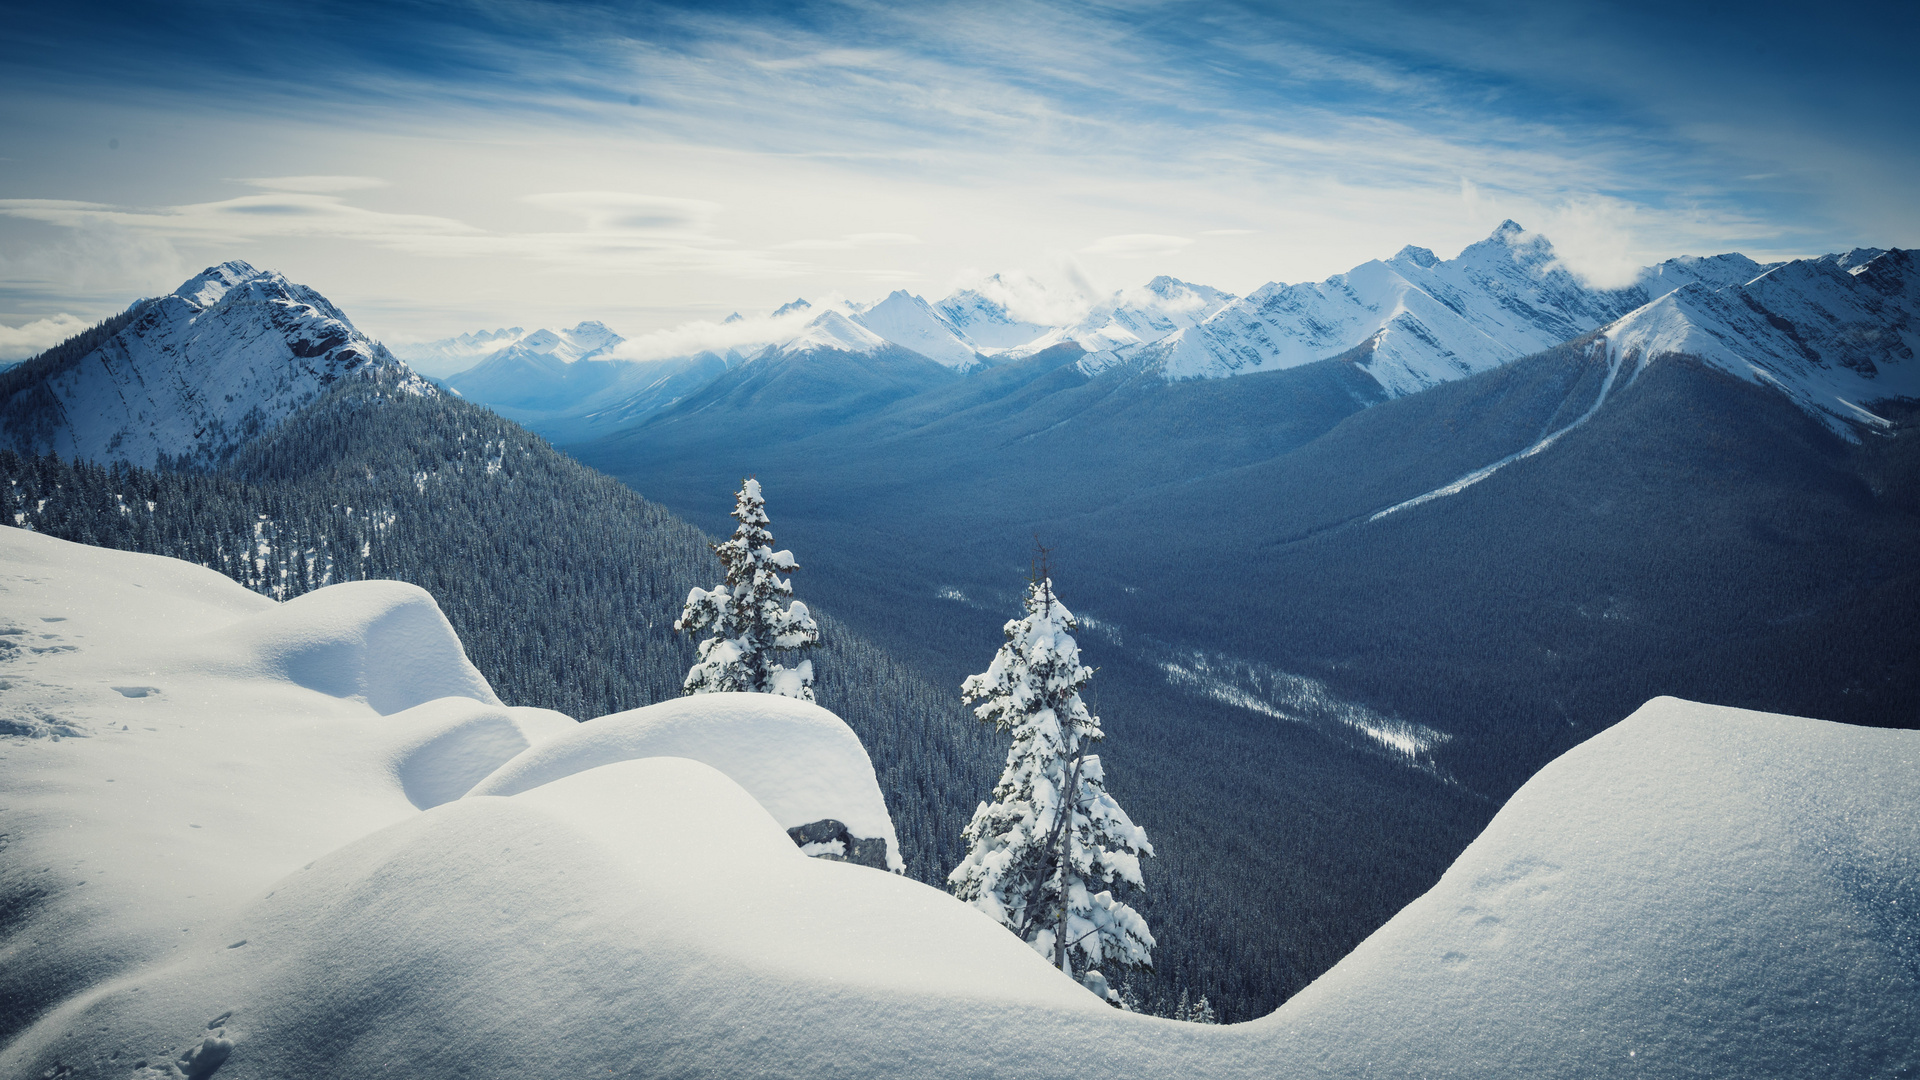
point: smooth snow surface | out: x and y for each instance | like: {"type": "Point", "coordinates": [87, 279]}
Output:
{"type": "Point", "coordinates": [801, 762]}
{"type": "Point", "coordinates": [1698, 891]}
{"type": "Point", "coordinates": [209, 862]}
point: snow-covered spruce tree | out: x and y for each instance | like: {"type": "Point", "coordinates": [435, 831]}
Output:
{"type": "Point", "coordinates": [1045, 856]}
{"type": "Point", "coordinates": [747, 616]}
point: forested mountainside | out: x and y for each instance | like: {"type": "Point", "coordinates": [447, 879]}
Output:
{"type": "Point", "coordinates": [563, 584]}
{"type": "Point", "coordinates": [1661, 530]}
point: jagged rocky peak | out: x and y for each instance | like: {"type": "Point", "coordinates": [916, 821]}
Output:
{"type": "Point", "coordinates": [1834, 338]}
{"type": "Point", "coordinates": [1511, 241]}
{"type": "Point", "coordinates": [1418, 256]}
{"type": "Point", "coordinates": [798, 304]}
{"type": "Point", "coordinates": [192, 374]}
{"type": "Point", "coordinates": [208, 286]}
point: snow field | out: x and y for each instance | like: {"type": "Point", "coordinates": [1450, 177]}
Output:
{"type": "Point", "coordinates": [221, 863]}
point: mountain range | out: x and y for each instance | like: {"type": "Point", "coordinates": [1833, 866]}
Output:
{"type": "Point", "coordinates": [1354, 559]}
{"type": "Point", "coordinates": [1830, 336]}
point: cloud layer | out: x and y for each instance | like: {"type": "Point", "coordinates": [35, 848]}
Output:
{"type": "Point", "coordinates": [669, 160]}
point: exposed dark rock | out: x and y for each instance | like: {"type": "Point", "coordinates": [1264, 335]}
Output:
{"type": "Point", "coordinates": [866, 851]}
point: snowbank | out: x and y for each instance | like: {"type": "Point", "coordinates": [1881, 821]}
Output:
{"type": "Point", "coordinates": [800, 761]}
{"type": "Point", "coordinates": [211, 862]}
{"type": "Point", "coordinates": [383, 641]}
{"type": "Point", "coordinates": [1698, 891]}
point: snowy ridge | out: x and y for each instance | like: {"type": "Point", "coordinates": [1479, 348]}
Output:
{"type": "Point", "coordinates": [1833, 333]}
{"type": "Point", "coordinates": [449, 355]}
{"type": "Point", "coordinates": [1420, 320]}
{"type": "Point", "coordinates": [458, 355]}
{"type": "Point", "coordinates": [227, 355]}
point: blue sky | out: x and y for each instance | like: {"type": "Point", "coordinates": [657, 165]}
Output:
{"type": "Point", "coordinates": [443, 166]}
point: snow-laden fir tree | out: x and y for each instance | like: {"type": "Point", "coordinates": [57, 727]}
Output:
{"type": "Point", "coordinates": [747, 616]}
{"type": "Point", "coordinates": [1045, 857]}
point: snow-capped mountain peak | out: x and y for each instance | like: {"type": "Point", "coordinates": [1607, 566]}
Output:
{"type": "Point", "coordinates": [799, 303]}
{"type": "Point", "coordinates": [207, 287]}
{"type": "Point", "coordinates": [1419, 320]}
{"type": "Point", "coordinates": [984, 316]}
{"type": "Point", "coordinates": [192, 374]}
{"type": "Point", "coordinates": [910, 322]}
{"type": "Point", "coordinates": [832, 330]}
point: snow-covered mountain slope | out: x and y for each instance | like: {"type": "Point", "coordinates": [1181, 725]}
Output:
{"type": "Point", "coordinates": [908, 321]}
{"type": "Point", "coordinates": [540, 365]}
{"type": "Point", "coordinates": [831, 330]}
{"type": "Point", "coordinates": [231, 859]}
{"type": "Point", "coordinates": [228, 354]}
{"type": "Point", "coordinates": [1834, 334]}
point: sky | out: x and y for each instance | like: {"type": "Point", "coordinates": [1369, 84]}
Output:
{"type": "Point", "coordinates": [437, 167]}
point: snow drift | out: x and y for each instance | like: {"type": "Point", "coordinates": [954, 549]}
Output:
{"type": "Point", "coordinates": [799, 761]}
{"type": "Point", "coordinates": [214, 868]}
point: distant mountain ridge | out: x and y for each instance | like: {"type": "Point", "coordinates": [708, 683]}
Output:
{"type": "Point", "coordinates": [1409, 323]}
{"type": "Point", "coordinates": [1833, 334]}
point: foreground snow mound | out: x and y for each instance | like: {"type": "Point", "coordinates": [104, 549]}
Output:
{"type": "Point", "coordinates": [164, 763]}
{"type": "Point", "coordinates": [213, 866]}
{"type": "Point", "coordinates": [801, 762]}
{"type": "Point", "coordinates": [1698, 891]}
{"type": "Point", "coordinates": [647, 918]}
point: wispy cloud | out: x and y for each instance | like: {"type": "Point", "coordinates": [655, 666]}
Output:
{"type": "Point", "coordinates": [316, 184]}
{"type": "Point", "coordinates": [745, 334]}
{"type": "Point", "coordinates": [868, 141]}
{"type": "Point", "coordinates": [36, 337]}
{"type": "Point", "coordinates": [246, 217]}
{"type": "Point", "coordinates": [623, 232]}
